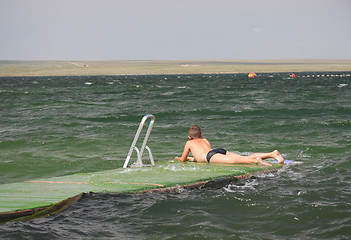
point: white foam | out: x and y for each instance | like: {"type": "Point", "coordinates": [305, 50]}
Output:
{"type": "Point", "coordinates": [248, 185]}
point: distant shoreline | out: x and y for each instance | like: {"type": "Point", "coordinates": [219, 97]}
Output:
{"type": "Point", "coordinates": [163, 67]}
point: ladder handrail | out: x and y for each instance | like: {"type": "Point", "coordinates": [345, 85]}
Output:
{"type": "Point", "coordinates": [133, 147]}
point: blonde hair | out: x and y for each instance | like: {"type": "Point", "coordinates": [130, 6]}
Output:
{"type": "Point", "coordinates": [194, 132]}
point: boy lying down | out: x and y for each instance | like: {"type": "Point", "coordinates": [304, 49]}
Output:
{"type": "Point", "coordinates": [201, 150]}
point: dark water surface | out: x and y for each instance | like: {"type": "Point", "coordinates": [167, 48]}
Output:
{"type": "Point", "coordinates": [53, 126]}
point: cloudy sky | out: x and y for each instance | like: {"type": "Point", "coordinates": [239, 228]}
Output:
{"type": "Point", "coordinates": [174, 29]}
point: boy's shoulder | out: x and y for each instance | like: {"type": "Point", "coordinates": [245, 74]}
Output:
{"type": "Point", "coordinates": [196, 141]}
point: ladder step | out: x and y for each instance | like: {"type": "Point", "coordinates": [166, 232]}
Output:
{"type": "Point", "coordinates": [133, 146]}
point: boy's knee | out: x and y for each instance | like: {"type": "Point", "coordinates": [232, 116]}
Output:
{"type": "Point", "coordinates": [232, 161]}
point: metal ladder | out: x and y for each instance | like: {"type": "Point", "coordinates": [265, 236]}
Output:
{"type": "Point", "coordinates": [139, 162]}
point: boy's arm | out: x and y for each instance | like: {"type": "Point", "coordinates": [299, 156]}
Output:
{"type": "Point", "coordinates": [185, 154]}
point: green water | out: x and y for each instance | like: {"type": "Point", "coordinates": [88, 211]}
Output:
{"type": "Point", "coordinates": [54, 126]}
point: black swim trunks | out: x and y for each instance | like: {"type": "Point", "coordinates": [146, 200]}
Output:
{"type": "Point", "coordinates": [214, 151]}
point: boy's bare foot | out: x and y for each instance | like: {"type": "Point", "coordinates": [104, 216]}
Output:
{"type": "Point", "coordinates": [278, 157]}
{"type": "Point", "coordinates": [263, 162]}
{"type": "Point", "coordinates": [266, 163]}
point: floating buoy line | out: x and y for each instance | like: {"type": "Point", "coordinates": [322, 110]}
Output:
{"type": "Point", "coordinates": [322, 75]}
{"type": "Point", "coordinates": [293, 75]}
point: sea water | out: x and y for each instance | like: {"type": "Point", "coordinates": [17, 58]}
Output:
{"type": "Point", "coordinates": [54, 126]}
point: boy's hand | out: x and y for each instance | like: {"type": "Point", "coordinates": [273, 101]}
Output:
{"type": "Point", "coordinates": [190, 159]}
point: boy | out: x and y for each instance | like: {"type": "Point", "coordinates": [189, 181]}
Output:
{"type": "Point", "coordinates": [202, 152]}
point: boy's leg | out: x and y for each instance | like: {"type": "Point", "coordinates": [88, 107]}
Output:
{"type": "Point", "coordinates": [236, 158]}
{"type": "Point", "coordinates": [275, 154]}
{"type": "Point", "coordinates": [249, 160]}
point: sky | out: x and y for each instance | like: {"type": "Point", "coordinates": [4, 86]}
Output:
{"type": "Point", "coordinates": [174, 29]}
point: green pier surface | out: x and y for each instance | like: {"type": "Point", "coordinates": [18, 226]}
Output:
{"type": "Point", "coordinates": [16, 199]}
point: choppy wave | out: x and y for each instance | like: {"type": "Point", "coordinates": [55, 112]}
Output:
{"type": "Point", "coordinates": [53, 126]}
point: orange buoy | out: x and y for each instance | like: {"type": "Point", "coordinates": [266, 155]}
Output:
{"type": "Point", "coordinates": [293, 75]}
{"type": "Point", "coordinates": [252, 75]}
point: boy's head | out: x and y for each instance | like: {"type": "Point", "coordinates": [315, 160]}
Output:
{"type": "Point", "coordinates": [194, 132]}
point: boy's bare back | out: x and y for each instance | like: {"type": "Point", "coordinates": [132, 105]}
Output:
{"type": "Point", "coordinates": [199, 147]}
